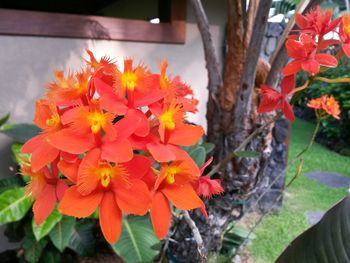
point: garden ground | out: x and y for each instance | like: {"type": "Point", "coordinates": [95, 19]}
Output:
{"type": "Point", "coordinates": [277, 230]}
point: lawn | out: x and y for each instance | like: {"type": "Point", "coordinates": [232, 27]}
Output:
{"type": "Point", "coordinates": [277, 230]}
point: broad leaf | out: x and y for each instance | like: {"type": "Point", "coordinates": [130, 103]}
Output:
{"type": "Point", "coordinates": [248, 154]}
{"type": "Point", "coordinates": [327, 241]}
{"type": "Point", "coordinates": [51, 256]}
{"type": "Point", "coordinates": [16, 152]}
{"type": "Point", "coordinates": [14, 204]}
{"type": "Point", "coordinates": [21, 132]}
{"type": "Point", "coordinates": [198, 155]}
{"type": "Point", "coordinates": [136, 240]}
{"type": "Point", "coordinates": [32, 248]}
{"type": "Point", "coordinates": [45, 227]}
{"type": "Point", "coordinates": [208, 146]}
{"type": "Point", "coordinates": [4, 119]}
{"type": "Point", "coordinates": [61, 234]}
{"type": "Point", "coordinates": [82, 240]}
{"type": "Point", "coordinates": [11, 182]}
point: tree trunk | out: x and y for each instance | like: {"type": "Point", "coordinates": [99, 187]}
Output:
{"type": "Point", "coordinates": [231, 117]}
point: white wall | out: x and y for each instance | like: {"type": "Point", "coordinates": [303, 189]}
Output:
{"type": "Point", "coordinates": [27, 63]}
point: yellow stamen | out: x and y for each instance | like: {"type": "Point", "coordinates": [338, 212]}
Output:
{"type": "Point", "coordinates": [167, 119]}
{"type": "Point", "coordinates": [105, 176]}
{"type": "Point", "coordinates": [97, 121]}
{"type": "Point", "coordinates": [129, 80]}
{"type": "Point", "coordinates": [170, 173]}
{"type": "Point", "coordinates": [53, 121]}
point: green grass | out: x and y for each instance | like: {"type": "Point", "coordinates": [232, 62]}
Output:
{"type": "Point", "coordinates": [277, 230]}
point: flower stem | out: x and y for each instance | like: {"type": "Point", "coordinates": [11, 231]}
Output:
{"type": "Point", "coordinates": [340, 80]}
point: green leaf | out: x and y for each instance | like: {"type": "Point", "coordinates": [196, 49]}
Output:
{"type": "Point", "coordinates": [208, 146]}
{"type": "Point", "coordinates": [16, 152]}
{"type": "Point", "coordinates": [198, 155]}
{"type": "Point", "coordinates": [11, 182]}
{"type": "Point", "coordinates": [82, 240]}
{"type": "Point", "coordinates": [51, 256]}
{"type": "Point", "coordinates": [4, 119]}
{"type": "Point", "coordinates": [248, 154]}
{"type": "Point", "coordinates": [21, 132]}
{"type": "Point", "coordinates": [136, 240]}
{"type": "Point", "coordinates": [32, 248]}
{"type": "Point", "coordinates": [327, 241]}
{"type": "Point", "coordinates": [45, 227]}
{"type": "Point", "coordinates": [13, 205]}
{"type": "Point", "coordinates": [62, 232]}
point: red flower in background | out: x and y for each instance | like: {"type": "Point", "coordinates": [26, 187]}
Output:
{"type": "Point", "coordinates": [274, 100]}
{"type": "Point", "coordinates": [317, 22]}
{"type": "Point", "coordinates": [304, 53]}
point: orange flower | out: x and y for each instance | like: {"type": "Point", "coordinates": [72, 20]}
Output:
{"type": "Point", "coordinates": [46, 188]}
{"type": "Point", "coordinates": [112, 188]}
{"type": "Point", "coordinates": [70, 90]}
{"type": "Point", "coordinates": [48, 119]}
{"type": "Point", "coordinates": [344, 34]}
{"type": "Point", "coordinates": [174, 184]}
{"type": "Point", "coordinates": [326, 104]}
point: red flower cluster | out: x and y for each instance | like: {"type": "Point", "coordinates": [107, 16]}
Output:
{"type": "Point", "coordinates": [112, 140]}
{"type": "Point", "coordinates": [326, 105]}
{"type": "Point", "coordinates": [306, 50]}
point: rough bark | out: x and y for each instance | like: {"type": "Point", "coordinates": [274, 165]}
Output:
{"type": "Point", "coordinates": [231, 116]}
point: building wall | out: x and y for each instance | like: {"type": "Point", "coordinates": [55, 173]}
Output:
{"type": "Point", "coordinates": [27, 63]}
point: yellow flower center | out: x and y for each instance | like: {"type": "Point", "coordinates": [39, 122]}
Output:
{"type": "Point", "coordinates": [167, 120]}
{"type": "Point", "coordinates": [106, 175]}
{"type": "Point", "coordinates": [53, 121]}
{"type": "Point", "coordinates": [129, 80]}
{"type": "Point", "coordinates": [170, 173]}
{"type": "Point", "coordinates": [97, 121]}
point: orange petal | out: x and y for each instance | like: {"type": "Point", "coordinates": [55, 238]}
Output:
{"type": "Point", "coordinates": [74, 204]}
{"type": "Point", "coordinates": [117, 151]}
{"type": "Point", "coordinates": [87, 180]}
{"type": "Point", "coordinates": [113, 104]}
{"type": "Point", "coordinates": [186, 135]}
{"type": "Point", "coordinates": [61, 188]}
{"type": "Point", "coordinates": [69, 170]}
{"type": "Point", "coordinates": [183, 197]}
{"type": "Point", "coordinates": [43, 155]}
{"type": "Point", "coordinates": [67, 141]}
{"type": "Point", "coordinates": [44, 204]}
{"type": "Point", "coordinates": [110, 218]}
{"type": "Point", "coordinates": [160, 215]}
{"type": "Point", "coordinates": [138, 166]}
{"type": "Point", "coordinates": [160, 152]}
{"type": "Point", "coordinates": [134, 200]}
{"type": "Point", "coordinates": [32, 144]}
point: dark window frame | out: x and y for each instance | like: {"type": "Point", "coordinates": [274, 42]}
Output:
{"type": "Point", "coordinates": [34, 23]}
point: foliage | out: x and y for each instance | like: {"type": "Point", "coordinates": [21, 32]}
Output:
{"type": "Point", "coordinates": [333, 133]}
{"type": "Point", "coordinates": [137, 240]}
{"type": "Point", "coordinates": [302, 196]}
{"type": "Point", "coordinates": [327, 241]}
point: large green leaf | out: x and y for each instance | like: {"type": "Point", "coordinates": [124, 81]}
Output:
{"type": "Point", "coordinates": [82, 240]}
{"type": "Point", "coordinates": [11, 182]}
{"type": "Point", "coordinates": [136, 240]}
{"type": "Point", "coordinates": [327, 241]}
{"type": "Point", "coordinates": [20, 132]}
{"type": "Point", "coordinates": [198, 155]}
{"type": "Point", "coordinates": [13, 205]}
{"type": "Point", "coordinates": [62, 233]}
{"type": "Point", "coordinates": [33, 249]}
{"type": "Point", "coordinates": [45, 227]}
